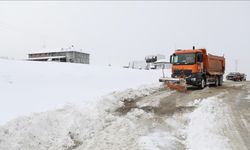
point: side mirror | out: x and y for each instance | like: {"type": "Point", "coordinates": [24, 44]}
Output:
{"type": "Point", "coordinates": [199, 57]}
{"type": "Point", "coordinates": [171, 58]}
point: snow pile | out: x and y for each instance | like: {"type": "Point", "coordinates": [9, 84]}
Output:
{"type": "Point", "coordinates": [86, 116]}
{"type": "Point", "coordinates": [158, 140]}
{"type": "Point", "coordinates": [40, 86]}
{"type": "Point", "coordinates": [205, 129]}
{"type": "Point", "coordinates": [170, 134]}
{"type": "Point", "coordinates": [80, 126]}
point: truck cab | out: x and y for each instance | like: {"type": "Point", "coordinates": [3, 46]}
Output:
{"type": "Point", "coordinates": [188, 64]}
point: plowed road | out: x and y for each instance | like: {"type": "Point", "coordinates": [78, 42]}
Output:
{"type": "Point", "coordinates": [212, 118]}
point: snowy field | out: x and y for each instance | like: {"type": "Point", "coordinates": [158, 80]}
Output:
{"type": "Point", "coordinates": [82, 107]}
{"type": "Point", "coordinates": [40, 86]}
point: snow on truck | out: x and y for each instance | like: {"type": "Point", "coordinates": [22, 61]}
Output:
{"type": "Point", "coordinates": [194, 67]}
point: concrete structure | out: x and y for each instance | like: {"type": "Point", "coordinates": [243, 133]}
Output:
{"type": "Point", "coordinates": [61, 56]}
{"type": "Point", "coordinates": [162, 64]}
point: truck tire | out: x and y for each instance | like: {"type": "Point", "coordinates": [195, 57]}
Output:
{"type": "Point", "coordinates": [203, 84]}
{"type": "Point", "coordinates": [220, 80]}
{"type": "Point", "coordinates": [216, 81]}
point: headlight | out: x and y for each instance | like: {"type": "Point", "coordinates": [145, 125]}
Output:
{"type": "Point", "coordinates": [193, 79]}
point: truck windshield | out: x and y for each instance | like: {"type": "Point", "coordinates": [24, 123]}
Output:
{"type": "Point", "coordinates": [184, 59]}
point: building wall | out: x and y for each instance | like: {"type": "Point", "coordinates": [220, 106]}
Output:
{"type": "Point", "coordinates": [71, 56]}
{"type": "Point", "coordinates": [163, 65]}
{"type": "Point", "coordinates": [79, 57]}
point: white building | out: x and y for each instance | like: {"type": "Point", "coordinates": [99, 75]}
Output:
{"type": "Point", "coordinates": [151, 59]}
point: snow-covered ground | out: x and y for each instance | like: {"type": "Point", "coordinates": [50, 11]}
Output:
{"type": "Point", "coordinates": [248, 97]}
{"type": "Point", "coordinates": [40, 86]}
{"type": "Point", "coordinates": [206, 123]}
{"type": "Point", "coordinates": [99, 127]}
{"type": "Point", "coordinates": [200, 129]}
{"type": "Point", "coordinates": [113, 108]}
{"type": "Point", "coordinates": [79, 126]}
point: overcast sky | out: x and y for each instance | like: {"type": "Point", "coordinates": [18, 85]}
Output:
{"type": "Point", "coordinates": [118, 32]}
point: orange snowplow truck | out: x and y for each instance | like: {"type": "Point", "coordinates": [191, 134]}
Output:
{"type": "Point", "coordinates": [196, 68]}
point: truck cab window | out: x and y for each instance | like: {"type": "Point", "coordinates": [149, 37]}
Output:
{"type": "Point", "coordinates": [184, 59]}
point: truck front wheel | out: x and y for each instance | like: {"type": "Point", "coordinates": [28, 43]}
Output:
{"type": "Point", "coordinates": [202, 85]}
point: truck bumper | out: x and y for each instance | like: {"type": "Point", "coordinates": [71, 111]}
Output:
{"type": "Point", "coordinates": [194, 79]}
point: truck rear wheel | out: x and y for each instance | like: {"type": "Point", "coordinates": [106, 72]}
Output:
{"type": "Point", "coordinates": [216, 81]}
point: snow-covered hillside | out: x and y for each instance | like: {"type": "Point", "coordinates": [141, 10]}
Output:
{"type": "Point", "coordinates": [39, 86]}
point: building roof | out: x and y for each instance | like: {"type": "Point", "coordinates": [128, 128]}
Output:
{"type": "Point", "coordinates": [59, 52]}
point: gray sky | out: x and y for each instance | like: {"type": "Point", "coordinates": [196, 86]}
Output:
{"type": "Point", "coordinates": [117, 32]}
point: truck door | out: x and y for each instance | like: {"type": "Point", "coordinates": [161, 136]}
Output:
{"type": "Point", "coordinates": [199, 62]}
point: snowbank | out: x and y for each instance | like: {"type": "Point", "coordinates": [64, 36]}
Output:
{"type": "Point", "coordinates": [40, 86]}
{"type": "Point", "coordinates": [80, 126]}
{"type": "Point", "coordinates": [169, 135]}
{"type": "Point", "coordinates": [205, 129]}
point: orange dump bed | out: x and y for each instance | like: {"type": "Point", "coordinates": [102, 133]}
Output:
{"type": "Point", "coordinates": [215, 65]}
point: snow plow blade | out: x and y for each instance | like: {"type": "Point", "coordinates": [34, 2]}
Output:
{"type": "Point", "coordinates": [178, 84]}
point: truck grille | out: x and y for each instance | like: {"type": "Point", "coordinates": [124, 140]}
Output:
{"type": "Point", "coordinates": [182, 72]}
